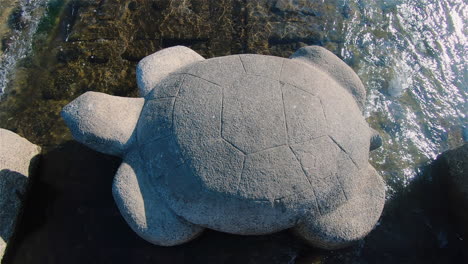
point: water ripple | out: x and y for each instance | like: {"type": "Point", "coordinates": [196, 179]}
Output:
{"type": "Point", "coordinates": [412, 58]}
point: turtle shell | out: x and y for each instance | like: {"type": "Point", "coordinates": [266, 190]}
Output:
{"type": "Point", "coordinates": [264, 137]}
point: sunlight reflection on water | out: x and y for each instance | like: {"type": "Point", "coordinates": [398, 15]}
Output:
{"type": "Point", "coordinates": [412, 61]}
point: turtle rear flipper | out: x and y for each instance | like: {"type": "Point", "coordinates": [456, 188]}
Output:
{"type": "Point", "coordinates": [155, 67]}
{"type": "Point", "coordinates": [351, 221]}
{"type": "Point", "coordinates": [143, 208]}
{"type": "Point", "coordinates": [103, 122]}
{"type": "Point", "coordinates": [336, 68]}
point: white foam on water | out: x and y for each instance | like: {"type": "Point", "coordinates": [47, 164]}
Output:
{"type": "Point", "coordinates": [21, 40]}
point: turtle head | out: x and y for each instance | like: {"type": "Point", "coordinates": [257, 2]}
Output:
{"type": "Point", "coordinates": [103, 122]}
{"type": "Point", "coordinates": [106, 123]}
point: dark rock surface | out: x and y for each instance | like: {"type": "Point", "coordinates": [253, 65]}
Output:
{"type": "Point", "coordinates": [71, 217]}
{"type": "Point", "coordinates": [451, 170]}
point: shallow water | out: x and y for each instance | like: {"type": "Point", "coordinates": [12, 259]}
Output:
{"type": "Point", "coordinates": [410, 55]}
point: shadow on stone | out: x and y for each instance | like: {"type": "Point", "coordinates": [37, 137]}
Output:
{"type": "Point", "coordinates": [451, 170]}
{"type": "Point", "coordinates": [70, 217]}
{"type": "Point", "coordinates": [416, 227]}
{"type": "Point", "coordinates": [12, 187]}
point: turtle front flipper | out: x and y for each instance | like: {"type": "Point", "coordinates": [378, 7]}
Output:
{"type": "Point", "coordinates": [336, 68]}
{"type": "Point", "coordinates": [155, 67]}
{"type": "Point", "coordinates": [103, 122]}
{"type": "Point", "coordinates": [349, 222]}
{"type": "Point", "coordinates": [143, 208]}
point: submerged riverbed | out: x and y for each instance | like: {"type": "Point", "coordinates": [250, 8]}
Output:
{"type": "Point", "coordinates": [410, 55]}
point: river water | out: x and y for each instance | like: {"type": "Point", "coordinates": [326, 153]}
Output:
{"type": "Point", "coordinates": [410, 54]}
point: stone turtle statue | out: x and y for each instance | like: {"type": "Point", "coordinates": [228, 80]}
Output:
{"type": "Point", "coordinates": [243, 144]}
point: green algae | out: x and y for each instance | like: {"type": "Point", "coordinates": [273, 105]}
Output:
{"type": "Point", "coordinates": [51, 19]}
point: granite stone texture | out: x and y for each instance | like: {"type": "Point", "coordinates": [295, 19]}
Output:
{"type": "Point", "coordinates": [153, 68]}
{"type": "Point", "coordinates": [92, 119]}
{"type": "Point", "coordinates": [243, 144]}
{"type": "Point", "coordinates": [336, 68]}
{"type": "Point", "coordinates": [16, 161]}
